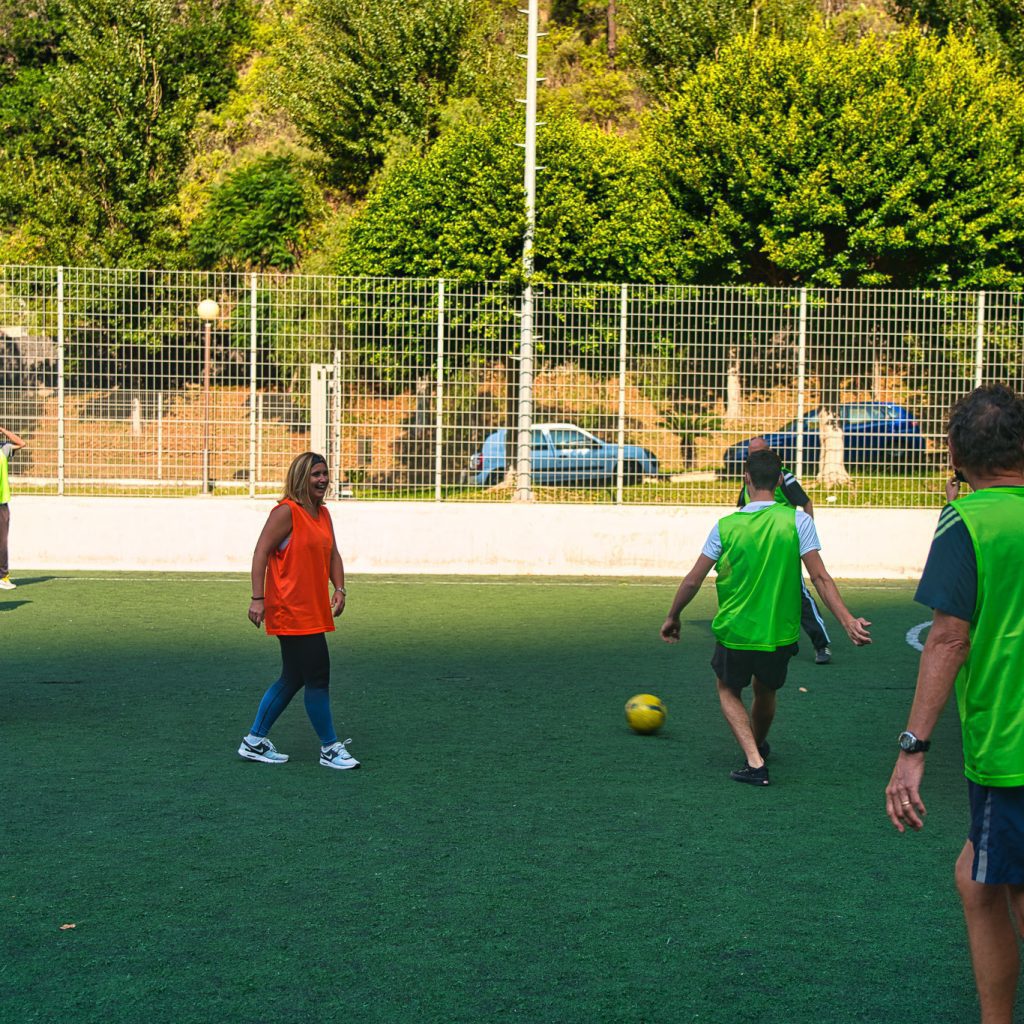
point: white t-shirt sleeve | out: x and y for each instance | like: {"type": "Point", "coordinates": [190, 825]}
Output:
{"type": "Point", "coordinates": [7, 449]}
{"type": "Point", "coordinates": [807, 532]}
{"type": "Point", "coordinates": [713, 545]}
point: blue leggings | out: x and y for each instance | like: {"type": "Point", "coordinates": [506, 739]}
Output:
{"type": "Point", "coordinates": [305, 662]}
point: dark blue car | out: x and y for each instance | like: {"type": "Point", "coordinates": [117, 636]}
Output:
{"type": "Point", "coordinates": [561, 453]}
{"type": "Point", "coordinates": [877, 435]}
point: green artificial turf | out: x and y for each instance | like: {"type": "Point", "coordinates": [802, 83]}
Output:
{"type": "Point", "coordinates": [508, 852]}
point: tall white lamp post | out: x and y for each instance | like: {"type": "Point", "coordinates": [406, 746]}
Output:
{"type": "Point", "coordinates": [524, 455]}
{"type": "Point", "coordinates": [208, 311]}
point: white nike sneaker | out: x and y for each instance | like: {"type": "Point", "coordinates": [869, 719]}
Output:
{"type": "Point", "coordinates": [336, 756]}
{"type": "Point", "coordinates": [264, 751]}
{"type": "Point", "coordinates": [6, 583]}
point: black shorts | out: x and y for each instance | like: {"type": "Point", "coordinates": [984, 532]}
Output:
{"type": "Point", "coordinates": [997, 834]}
{"type": "Point", "coordinates": [736, 668]}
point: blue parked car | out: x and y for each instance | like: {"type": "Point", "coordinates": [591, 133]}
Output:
{"type": "Point", "coordinates": [561, 453]}
{"type": "Point", "coordinates": [876, 435]}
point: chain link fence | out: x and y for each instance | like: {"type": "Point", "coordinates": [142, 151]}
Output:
{"type": "Point", "coordinates": [414, 389]}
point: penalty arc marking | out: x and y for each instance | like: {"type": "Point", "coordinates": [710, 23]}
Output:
{"type": "Point", "coordinates": [913, 636]}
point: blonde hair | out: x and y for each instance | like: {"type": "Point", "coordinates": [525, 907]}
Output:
{"type": "Point", "coordinates": [296, 483]}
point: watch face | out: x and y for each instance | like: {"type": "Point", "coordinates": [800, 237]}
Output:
{"type": "Point", "coordinates": [907, 741]}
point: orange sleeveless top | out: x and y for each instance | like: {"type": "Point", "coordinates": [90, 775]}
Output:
{"type": "Point", "coordinates": [296, 597]}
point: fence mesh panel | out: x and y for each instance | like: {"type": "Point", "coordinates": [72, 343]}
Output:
{"type": "Point", "coordinates": [412, 387]}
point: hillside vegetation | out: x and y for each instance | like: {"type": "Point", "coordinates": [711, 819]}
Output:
{"type": "Point", "coordinates": [828, 142]}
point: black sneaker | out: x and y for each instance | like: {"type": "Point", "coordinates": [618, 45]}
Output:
{"type": "Point", "coordinates": [822, 656]}
{"type": "Point", "coordinates": [764, 749]}
{"type": "Point", "coordinates": [753, 776]}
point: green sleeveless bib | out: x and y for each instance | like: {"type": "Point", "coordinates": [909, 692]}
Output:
{"type": "Point", "coordinates": [758, 580]}
{"type": "Point", "coordinates": [990, 686]}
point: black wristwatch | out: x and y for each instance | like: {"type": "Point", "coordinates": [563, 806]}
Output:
{"type": "Point", "coordinates": [910, 744]}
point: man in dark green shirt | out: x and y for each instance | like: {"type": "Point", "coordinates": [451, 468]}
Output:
{"type": "Point", "coordinates": [972, 581]}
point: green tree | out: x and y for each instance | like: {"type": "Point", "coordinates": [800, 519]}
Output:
{"type": "Point", "coordinates": [459, 211]}
{"type": "Point", "coordinates": [30, 36]}
{"type": "Point", "coordinates": [894, 162]}
{"type": "Point", "coordinates": [669, 38]}
{"type": "Point", "coordinates": [99, 181]}
{"type": "Point", "coordinates": [357, 74]}
{"type": "Point", "coordinates": [996, 25]}
{"type": "Point", "coordinates": [257, 217]}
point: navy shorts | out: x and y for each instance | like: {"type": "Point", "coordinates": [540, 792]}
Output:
{"type": "Point", "coordinates": [736, 668]}
{"type": "Point", "coordinates": [997, 833]}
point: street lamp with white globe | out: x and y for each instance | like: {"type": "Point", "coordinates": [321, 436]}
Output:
{"type": "Point", "coordinates": [208, 310]}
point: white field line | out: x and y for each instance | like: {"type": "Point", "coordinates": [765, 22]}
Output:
{"type": "Point", "coordinates": [914, 634]}
{"type": "Point", "coordinates": [409, 581]}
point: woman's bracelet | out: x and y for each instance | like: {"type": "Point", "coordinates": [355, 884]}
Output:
{"type": "Point", "coordinates": [255, 598]}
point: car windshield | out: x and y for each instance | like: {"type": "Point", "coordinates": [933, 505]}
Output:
{"type": "Point", "coordinates": [810, 423]}
{"type": "Point", "coordinates": [859, 414]}
{"type": "Point", "coordinates": [563, 437]}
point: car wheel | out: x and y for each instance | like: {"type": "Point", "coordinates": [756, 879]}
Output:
{"type": "Point", "coordinates": [632, 474]}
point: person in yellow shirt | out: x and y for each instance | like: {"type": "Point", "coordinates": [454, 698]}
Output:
{"type": "Point", "coordinates": [7, 448]}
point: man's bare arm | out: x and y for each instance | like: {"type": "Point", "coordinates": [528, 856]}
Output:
{"type": "Point", "coordinates": [945, 651]}
{"type": "Point", "coordinates": [687, 591]}
{"type": "Point", "coordinates": [13, 438]}
{"type": "Point", "coordinates": [856, 628]}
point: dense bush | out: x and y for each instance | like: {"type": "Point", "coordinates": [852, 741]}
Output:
{"type": "Point", "coordinates": [256, 217]}
{"type": "Point", "coordinates": [896, 162]}
{"type": "Point", "coordinates": [459, 211]}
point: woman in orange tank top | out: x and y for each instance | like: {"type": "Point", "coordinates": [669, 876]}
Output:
{"type": "Point", "coordinates": [296, 557]}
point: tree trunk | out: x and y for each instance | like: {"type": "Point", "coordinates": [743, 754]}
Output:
{"type": "Point", "coordinates": [733, 388]}
{"type": "Point", "coordinates": [613, 41]}
{"type": "Point", "coordinates": [136, 416]}
{"type": "Point", "coordinates": [832, 469]}
{"type": "Point", "coordinates": [878, 364]}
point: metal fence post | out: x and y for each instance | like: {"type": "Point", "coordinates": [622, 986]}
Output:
{"type": "Point", "coordinates": [334, 392]}
{"type": "Point", "coordinates": [259, 436]}
{"type": "Point", "coordinates": [979, 347]}
{"type": "Point", "coordinates": [801, 383]}
{"type": "Point", "coordinates": [524, 460]}
{"type": "Point", "coordinates": [439, 398]}
{"type": "Point", "coordinates": [60, 380]}
{"type": "Point", "coordinates": [159, 435]}
{"type": "Point", "coordinates": [252, 386]}
{"type": "Point", "coordinates": [620, 467]}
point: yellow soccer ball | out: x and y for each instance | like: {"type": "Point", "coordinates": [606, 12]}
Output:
{"type": "Point", "coordinates": [645, 713]}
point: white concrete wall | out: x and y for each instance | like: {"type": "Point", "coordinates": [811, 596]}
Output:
{"type": "Point", "coordinates": [218, 534]}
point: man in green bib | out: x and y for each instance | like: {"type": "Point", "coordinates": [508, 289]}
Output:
{"type": "Point", "coordinates": [972, 583]}
{"type": "Point", "coordinates": [8, 446]}
{"type": "Point", "coordinates": [789, 492]}
{"type": "Point", "coordinates": [758, 552]}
